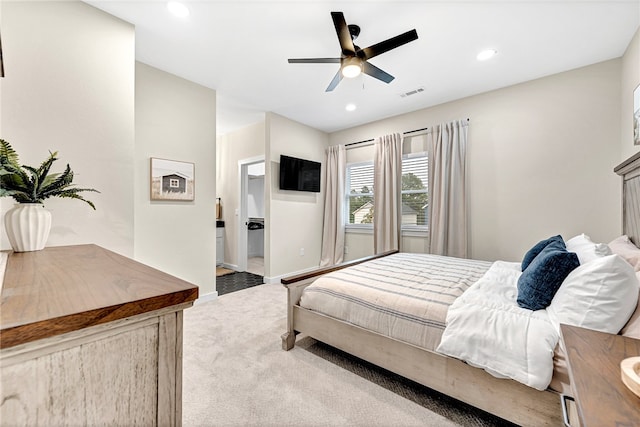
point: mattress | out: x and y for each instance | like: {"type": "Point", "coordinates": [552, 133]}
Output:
{"type": "Point", "coordinates": [404, 296]}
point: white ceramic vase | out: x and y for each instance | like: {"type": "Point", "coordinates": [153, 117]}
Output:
{"type": "Point", "coordinates": [28, 226]}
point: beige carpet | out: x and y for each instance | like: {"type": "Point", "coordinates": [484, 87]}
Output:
{"type": "Point", "coordinates": [236, 374]}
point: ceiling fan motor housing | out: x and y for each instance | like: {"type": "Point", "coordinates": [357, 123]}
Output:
{"type": "Point", "coordinates": [354, 30]}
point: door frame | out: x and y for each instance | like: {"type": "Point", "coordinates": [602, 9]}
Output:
{"type": "Point", "coordinates": [243, 214]}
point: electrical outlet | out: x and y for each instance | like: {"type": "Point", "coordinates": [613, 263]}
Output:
{"type": "Point", "coordinates": [301, 251]}
{"type": "Point", "coordinates": [346, 250]}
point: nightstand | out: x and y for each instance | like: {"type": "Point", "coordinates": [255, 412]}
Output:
{"type": "Point", "coordinates": [594, 360]}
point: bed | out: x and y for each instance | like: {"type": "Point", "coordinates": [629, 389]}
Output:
{"type": "Point", "coordinates": [413, 354]}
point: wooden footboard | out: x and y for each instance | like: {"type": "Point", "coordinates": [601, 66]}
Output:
{"type": "Point", "coordinates": [504, 398]}
{"type": "Point", "coordinates": [296, 284]}
{"type": "Point", "coordinates": [507, 399]}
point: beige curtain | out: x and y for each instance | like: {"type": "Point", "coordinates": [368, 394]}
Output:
{"type": "Point", "coordinates": [387, 192]}
{"type": "Point", "coordinates": [447, 148]}
{"type": "Point", "coordinates": [333, 226]}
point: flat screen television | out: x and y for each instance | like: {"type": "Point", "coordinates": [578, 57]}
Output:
{"type": "Point", "coordinates": [299, 174]}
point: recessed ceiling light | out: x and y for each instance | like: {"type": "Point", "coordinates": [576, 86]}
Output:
{"type": "Point", "coordinates": [178, 9]}
{"type": "Point", "coordinates": [350, 107]}
{"type": "Point", "coordinates": [486, 54]}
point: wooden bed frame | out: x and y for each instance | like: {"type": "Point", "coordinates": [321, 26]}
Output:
{"type": "Point", "coordinates": [507, 399]}
{"type": "Point", "coordinates": [629, 170]}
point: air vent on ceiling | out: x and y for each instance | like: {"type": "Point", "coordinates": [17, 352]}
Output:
{"type": "Point", "coordinates": [412, 92]}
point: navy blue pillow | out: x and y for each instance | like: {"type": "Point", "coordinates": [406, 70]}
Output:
{"type": "Point", "coordinates": [537, 248]}
{"type": "Point", "coordinates": [542, 278]}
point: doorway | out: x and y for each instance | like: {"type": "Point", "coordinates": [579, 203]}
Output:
{"type": "Point", "coordinates": [251, 215]}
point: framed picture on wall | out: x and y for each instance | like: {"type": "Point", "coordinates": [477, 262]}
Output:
{"type": "Point", "coordinates": [636, 116]}
{"type": "Point", "coordinates": [172, 180]}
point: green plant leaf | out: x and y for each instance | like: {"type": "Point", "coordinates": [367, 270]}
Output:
{"type": "Point", "coordinates": [27, 184]}
{"type": "Point", "coordinates": [8, 154]}
{"type": "Point", "coordinates": [78, 197]}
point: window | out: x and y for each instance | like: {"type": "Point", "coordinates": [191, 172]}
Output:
{"type": "Point", "coordinates": [174, 183]}
{"type": "Point", "coordinates": [414, 190]}
{"type": "Point", "coordinates": [359, 194]}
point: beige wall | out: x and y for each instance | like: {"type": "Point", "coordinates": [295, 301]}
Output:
{"type": "Point", "coordinates": [630, 80]}
{"type": "Point", "coordinates": [69, 87]}
{"type": "Point", "coordinates": [541, 156]}
{"type": "Point", "coordinates": [293, 219]}
{"type": "Point", "coordinates": [84, 103]}
{"type": "Point", "coordinates": [176, 120]}
{"type": "Point", "coordinates": [245, 143]}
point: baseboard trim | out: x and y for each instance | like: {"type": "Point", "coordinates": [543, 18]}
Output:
{"type": "Point", "coordinates": [233, 267]}
{"type": "Point", "coordinates": [206, 297]}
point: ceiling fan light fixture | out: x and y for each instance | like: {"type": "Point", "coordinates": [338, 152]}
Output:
{"type": "Point", "coordinates": [351, 67]}
{"type": "Point", "coordinates": [354, 60]}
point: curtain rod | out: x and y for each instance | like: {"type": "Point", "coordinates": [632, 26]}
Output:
{"type": "Point", "coordinates": [359, 142]}
{"type": "Point", "coordinates": [371, 140]}
{"type": "Point", "coordinates": [415, 130]}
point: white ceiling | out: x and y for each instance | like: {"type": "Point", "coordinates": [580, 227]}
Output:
{"type": "Point", "coordinates": [240, 49]}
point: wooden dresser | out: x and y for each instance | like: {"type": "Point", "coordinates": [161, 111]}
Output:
{"type": "Point", "coordinates": [90, 337]}
{"type": "Point", "coordinates": [594, 370]}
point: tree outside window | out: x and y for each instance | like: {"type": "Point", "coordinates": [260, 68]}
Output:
{"type": "Point", "coordinates": [360, 202]}
{"type": "Point", "coordinates": [360, 193]}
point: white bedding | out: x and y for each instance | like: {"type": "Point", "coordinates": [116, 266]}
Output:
{"type": "Point", "coordinates": [403, 296]}
{"type": "Point", "coordinates": [487, 329]}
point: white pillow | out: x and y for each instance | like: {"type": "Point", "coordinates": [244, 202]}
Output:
{"type": "Point", "coordinates": [586, 249]}
{"type": "Point", "coordinates": [600, 295]}
{"type": "Point", "coordinates": [632, 328]}
{"type": "Point", "coordinates": [624, 247]}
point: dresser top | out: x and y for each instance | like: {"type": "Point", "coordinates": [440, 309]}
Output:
{"type": "Point", "coordinates": [67, 288]}
{"type": "Point", "coordinates": [594, 369]}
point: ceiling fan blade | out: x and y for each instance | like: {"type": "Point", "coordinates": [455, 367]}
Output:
{"type": "Point", "coordinates": [336, 79]}
{"type": "Point", "coordinates": [376, 72]}
{"type": "Point", "coordinates": [344, 37]}
{"type": "Point", "coordinates": [314, 61]}
{"type": "Point", "coordinates": [387, 45]}
{"type": "Point", "coordinates": [1, 61]}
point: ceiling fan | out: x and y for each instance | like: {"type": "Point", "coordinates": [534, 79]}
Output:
{"type": "Point", "coordinates": [354, 60]}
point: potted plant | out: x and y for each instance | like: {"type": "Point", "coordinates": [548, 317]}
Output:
{"type": "Point", "coordinates": [28, 223]}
